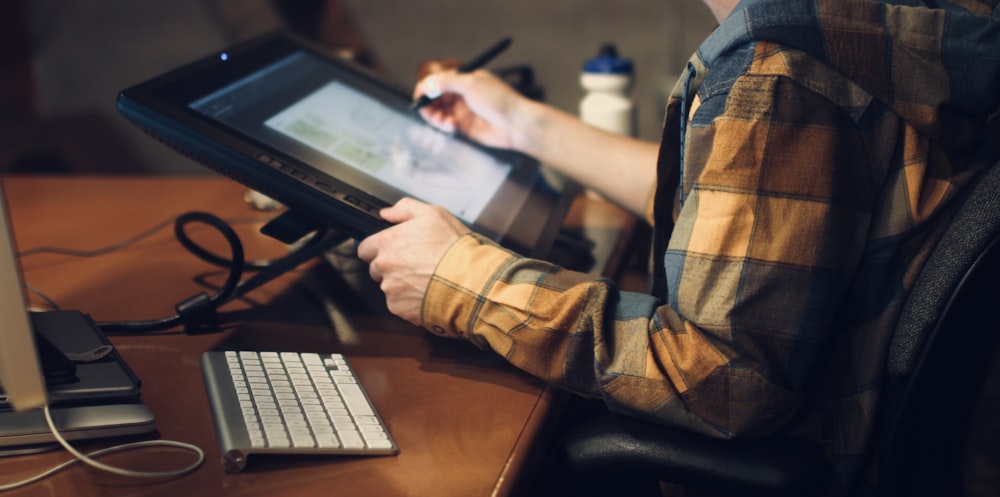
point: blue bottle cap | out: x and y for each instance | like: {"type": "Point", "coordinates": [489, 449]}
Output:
{"type": "Point", "coordinates": [608, 62]}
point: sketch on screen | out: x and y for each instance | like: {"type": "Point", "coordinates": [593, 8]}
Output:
{"type": "Point", "coordinates": [359, 131]}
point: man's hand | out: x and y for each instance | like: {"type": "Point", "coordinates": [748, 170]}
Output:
{"type": "Point", "coordinates": [402, 258]}
{"type": "Point", "coordinates": [478, 105]}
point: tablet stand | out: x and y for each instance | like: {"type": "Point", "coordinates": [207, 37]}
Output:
{"type": "Point", "coordinates": [198, 314]}
{"type": "Point", "coordinates": [290, 227]}
{"type": "Point", "coordinates": [324, 240]}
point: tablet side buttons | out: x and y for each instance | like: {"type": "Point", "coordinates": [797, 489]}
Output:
{"type": "Point", "coordinates": [326, 187]}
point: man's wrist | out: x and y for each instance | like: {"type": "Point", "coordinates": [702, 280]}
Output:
{"type": "Point", "coordinates": [463, 276]}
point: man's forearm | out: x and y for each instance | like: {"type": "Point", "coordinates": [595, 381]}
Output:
{"type": "Point", "coordinates": [622, 169]}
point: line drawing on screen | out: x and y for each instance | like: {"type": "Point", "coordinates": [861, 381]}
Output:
{"type": "Point", "coordinates": [361, 132]}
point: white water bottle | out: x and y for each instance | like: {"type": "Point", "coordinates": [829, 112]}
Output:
{"type": "Point", "coordinates": [607, 81]}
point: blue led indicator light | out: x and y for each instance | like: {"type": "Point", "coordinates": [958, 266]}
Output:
{"type": "Point", "coordinates": [224, 56]}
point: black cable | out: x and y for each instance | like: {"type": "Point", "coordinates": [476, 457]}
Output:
{"type": "Point", "coordinates": [236, 264]}
{"type": "Point", "coordinates": [217, 260]}
{"type": "Point", "coordinates": [196, 312]}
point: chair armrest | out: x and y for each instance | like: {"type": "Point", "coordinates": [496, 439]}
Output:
{"type": "Point", "coordinates": [619, 445]}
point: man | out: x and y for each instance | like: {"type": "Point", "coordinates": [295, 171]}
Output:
{"type": "Point", "coordinates": [810, 156]}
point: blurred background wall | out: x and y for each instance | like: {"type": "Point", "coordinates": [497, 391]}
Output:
{"type": "Point", "coordinates": [70, 57]}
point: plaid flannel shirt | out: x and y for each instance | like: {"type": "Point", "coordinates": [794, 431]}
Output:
{"type": "Point", "coordinates": [810, 156]}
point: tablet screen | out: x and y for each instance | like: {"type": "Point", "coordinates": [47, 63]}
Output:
{"type": "Point", "coordinates": [355, 129]}
{"type": "Point", "coordinates": [377, 141]}
{"type": "Point", "coordinates": [304, 124]}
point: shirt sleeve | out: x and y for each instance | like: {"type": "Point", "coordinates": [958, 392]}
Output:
{"type": "Point", "coordinates": [770, 224]}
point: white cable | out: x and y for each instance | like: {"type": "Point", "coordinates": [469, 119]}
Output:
{"type": "Point", "coordinates": [90, 461]}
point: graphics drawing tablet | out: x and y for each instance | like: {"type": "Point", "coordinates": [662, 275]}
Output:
{"type": "Point", "coordinates": [335, 144]}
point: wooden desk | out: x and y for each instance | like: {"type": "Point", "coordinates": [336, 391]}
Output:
{"type": "Point", "coordinates": [466, 422]}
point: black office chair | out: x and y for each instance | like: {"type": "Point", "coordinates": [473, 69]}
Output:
{"type": "Point", "coordinates": [939, 358]}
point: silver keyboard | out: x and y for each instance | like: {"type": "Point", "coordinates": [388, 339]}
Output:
{"type": "Point", "coordinates": [290, 403]}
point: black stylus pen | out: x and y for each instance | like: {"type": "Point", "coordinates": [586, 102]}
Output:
{"type": "Point", "coordinates": [480, 61]}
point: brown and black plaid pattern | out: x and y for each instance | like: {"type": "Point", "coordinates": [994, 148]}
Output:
{"type": "Point", "coordinates": [820, 157]}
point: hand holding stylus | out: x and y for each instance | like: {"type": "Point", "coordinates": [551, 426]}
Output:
{"type": "Point", "coordinates": [476, 63]}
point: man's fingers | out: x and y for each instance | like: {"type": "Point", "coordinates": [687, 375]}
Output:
{"type": "Point", "coordinates": [429, 67]}
{"type": "Point", "coordinates": [404, 210]}
{"type": "Point", "coordinates": [368, 248]}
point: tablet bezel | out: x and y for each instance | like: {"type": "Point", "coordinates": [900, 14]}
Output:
{"type": "Point", "coordinates": [347, 202]}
